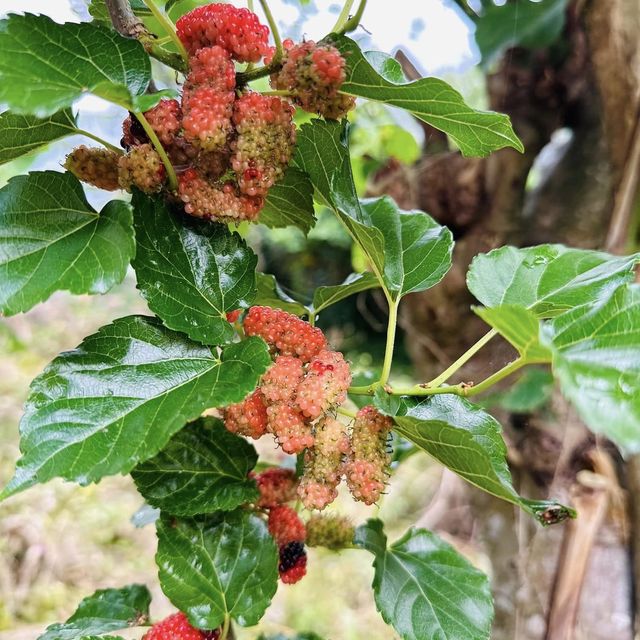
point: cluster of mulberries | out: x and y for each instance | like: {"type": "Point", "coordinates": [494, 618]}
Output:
{"type": "Point", "coordinates": [306, 381]}
{"type": "Point", "coordinates": [177, 627]}
{"type": "Point", "coordinates": [313, 74]}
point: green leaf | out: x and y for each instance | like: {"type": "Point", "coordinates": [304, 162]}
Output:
{"type": "Point", "coordinates": [270, 294]}
{"type": "Point", "coordinates": [118, 398]}
{"type": "Point", "coordinates": [596, 357]}
{"type": "Point", "coordinates": [46, 66]}
{"type": "Point", "coordinates": [477, 133]}
{"type": "Point", "coordinates": [202, 469]}
{"type": "Point", "coordinates": [533, 25]}
{"type": "Point", "coordinates": [290, 203]}
{"type": "Point", "coordinates": [324, 297]}
{"type": "Point", "coordinates": [465, 439]}
{"type": "Point", "coordinates": [191, 272]}
{"type": "Point", "coordinates": [222, 566]}
{"type": "Point", "coordinates": [51, 240]}
{"type": "Point", "coordinates": [417, 250]}
{"type": "Point", "coordinates": [520, 326]}
{"type": "Point", "coordinates": [424, 588]}
{"type": "Point", "coordinates": [106, 610]}
{"type": "Point", "coordinates": [547, 279]}
{"type": "Point", "coordinates": [20, 134]}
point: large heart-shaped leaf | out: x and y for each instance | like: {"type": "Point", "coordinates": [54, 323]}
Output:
{"type": "Point", "coordinates": [46, 66]}
{"type": "Point", "coordinates": [417, 250]}
{"type": "Point", "coordinates": [202, 469]}
{"type": "Point", "coordinates": [290, 203]}
{"type": "Point", "coordinates": [533, 25]}
{"type": "Point", "coordinates": [596, 357]}
{"type": "Point", "coordinates": [424, 588]}
{"type": "Point", "coordinates": [324, 297]}
{"type": "Point", "coordinates": [51, 239]}
{"type": "Point", "coordinates": [220, 567]}
{"type": "Point", "coordinates": [106, 610]}
{"type": "Point", "coordinates": [191, 272]}
{"type": "Point", "coordinates": [118, 398]}
{"type": "Point", "coordinates": [548, 279]}
{"type": "Point", "coordinates": [467, 440]}
{"type": "Point", "coordinates": [477, 133]}
{"type": "Point", "coordinates": [21, 134]}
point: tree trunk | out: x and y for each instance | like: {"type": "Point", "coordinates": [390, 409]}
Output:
{"type": "Point", "coordinates": [571, 581]}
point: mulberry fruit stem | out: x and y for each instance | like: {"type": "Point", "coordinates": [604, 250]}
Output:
{"type": "Point", "coordinates": [171, 174]}
{"type": "Point", "coordinates": [99, 140]}
{"type": "Point", "coordinates": [277, 56]}
{"type": "Point", "coordinates": [169, 27]}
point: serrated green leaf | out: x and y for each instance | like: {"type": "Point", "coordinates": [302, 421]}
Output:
{"type": "Point", "coordinates": [191, 272]}
{"type": "Point", "coordinates": [202, 469]}
{"type": "Point", "coordinates": [548, 279]}
{"type": "Point", "coordinates": [51, 240]}
{"type": "Point", "coordinates": [20, 134]}
{"type": "Point", "coordinates": [118, 398]}
{"type": "Point", "coordinates": [464, 438]}
{"type": "Point", "coordinates": [46, 66]}
{"type": "Point", "coordinates": [290, 203]}
{"type": "Point", "coordinates": [106, 610]}
{"type": "Point", "coordinates": [222, 566]}
{"type": "Point", "coordinates": [417, 250]}
{"type": "Point", "coordinates": [424, 588]}
{"type": "Point", "coordinates": [270, 294]}
{"type": "Point", "coordinates": [533, 25]}
{"type": "Point", "coordinates": [596, 357]}
{"type": "Point", "coordinates": [521, 327]}
{"type": "Point", "coordinates": [477, 133]}
{"type": "Point", "coordinates": [324, 297]}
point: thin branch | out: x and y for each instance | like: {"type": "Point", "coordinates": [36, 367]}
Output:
{"type": "Point", "coordinates": [352, 23]}
{"type": "Point", "coordinates": [277, 56]}
{"type": "Point", "coordinates": [343, 17]}
{"type": "Point", "coordinates": [104, 143]}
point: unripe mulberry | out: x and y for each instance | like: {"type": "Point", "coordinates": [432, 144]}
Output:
{"type": "Point", "coordinates": [207, 117]}
{"type": "Point", "coordinates": [223, 204]}
{"type": "Point", "coordinates": [280, 382]}
{"type": "Point", "coordinates": [133, 133]}
{"type": "Point", "coordinates": [176, 627]}
{"type": "Point", "coordinates": [367, 468]}
{"type": "Point", "coordinates": [142, 168]}
{"type": "Point", "coordinates": [247, 418]}
{"type": "Point", "coordinates": [285, 333]}
{"type": "Point", "coordinates": [239, 31]}
{"type": "Point", "coordinates": [314, 73]}
{"type": "Point", "coordinates": [330, 531]}
{"type": "Point", "coordinates": [287, 424]}
{"type": "Point", "coordinates": [323, 465]}
{"type": "Point", "coordinates": [293, 562]}
{"type": "Point", "coordinates": [165, 119]}
{"type": "Point", "coordinates": [285, 525]}
{"type": "Point", "coordinates": [277, 486]}
{"type": "Point", "coordinates": [95, 166]}
{"type": "Point", "coordinates": [212, 67]}
{"type": "Point", "coordinates": [265, 141]}
{"type": "Point", "coordinates": [325, 385]}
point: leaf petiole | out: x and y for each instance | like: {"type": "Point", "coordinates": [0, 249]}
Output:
{"type": "Point", "coordinates": [343, 17]}
{"type": "Point", "coordinates": [93, 136]}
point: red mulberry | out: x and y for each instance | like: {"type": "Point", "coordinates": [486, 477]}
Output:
{"type": "Point", "coordinates": [142, 168]}
{"type": "Point", "coordinates": [314, 73]}
{"type": "Point", "coordinates": [285, 525]}
{"type": "Point", "coordinates": [265, 141]}
{"type": "Point", "coordinates": [249, 417]}
{"type": "Point", "coordinates": [367, 467]}
{"type": "Point", "coordinates": [287, 424]}
{"type": "Point", "coordinates": [207, 117]}
{"type": "Point", "coordinates": [165, 119]}
{"type": "Point", "coordinates": [95, 166]}
{"type": "Point", "coordinates": [280, 382]}
{"type": "Point", "coordinates": [239, 31]}
{"type": "Point", "coordinates": [325, 384]}
{"type": "Point", "coordinates": [284, 332]}
{"type": "Point", "coordinates": [176, 627]}
{"type": "Point", "coordinates": [277, 486]}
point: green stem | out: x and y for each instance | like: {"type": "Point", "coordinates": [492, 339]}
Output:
{"type": "Point", "coordinates": [343, 17]}
{"type": "Point", "coordinates": [278, 92]}
{"type": "Point", "coordinates": [169, 27]}
{"type": "Point", "coordinates": [462, 360]}
{"type": "Point", "coordinates": [98, 139]}
{"type": "Point", "coordinates": [455, 389]}
{"type": "Point", "coordinates": [507, 370]}
{"type": "Point", "coordinates": [345, 412]}
{"type": "Point", "coordinates": [250, 75]}
{"type": "Point", "coordinates": [224, 633]}
{"type": "Point", "coordinates": [355, 19]}
{"type": "Point", "coordinates": [467, 10]}
{"type": "Point", "coordinates": [391, 339]}
{"type": "Point", "coordinates": [171, 174]}
{"type": "Point", "coordinates": [250, 5]}
{"type": "Point", "coordinates": [277, 56]}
